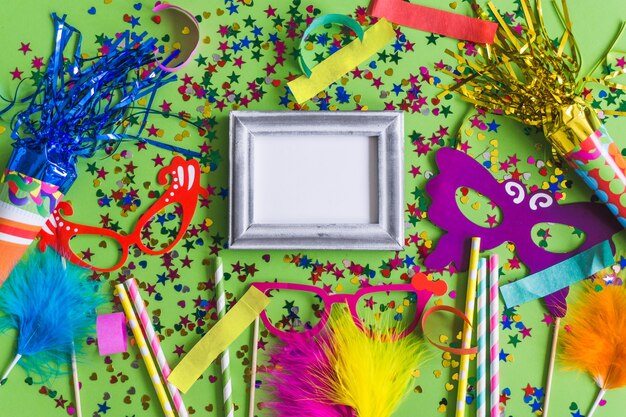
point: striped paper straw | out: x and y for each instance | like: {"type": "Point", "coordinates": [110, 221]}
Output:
{"type": "Point", "coordinates": [481, 339]}
{"type": "Point", "coordinates": [155, 344]}
{"type": "Point", "coordinates": [470, 301]}
{"type": "Point", "coordinates": [229, 409]}
{"type": "Point", "coordinates": [145, 352]}
{"type": "Point", "coordinates": [494, 341]}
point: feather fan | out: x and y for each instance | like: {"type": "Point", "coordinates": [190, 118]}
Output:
{"type": "Point", "coordinates": [49, 307]}
{"type": "Point", "coordinates": [594, 339]}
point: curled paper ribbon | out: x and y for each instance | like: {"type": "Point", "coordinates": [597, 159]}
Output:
{"type": "Point", "coordinates": [111, 332]}
{"type": "Point", "coordinates": [195, 29]}
{"type": "Point", "coordinates": [456, 312]}
{"type": "Point", "coordinates": [433, 20]}
{"type": "Point", "coordinates": [218, 339]}
{"type": "Point", "coordinates": [328, 19]}
{"type": "Point", "coordinates": [335, 66]}
{"type": "Point", "coordinates": [559, 276]}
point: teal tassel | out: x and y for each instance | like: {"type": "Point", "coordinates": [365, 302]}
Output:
{"type": "Point", "coordinates": [49, 306]}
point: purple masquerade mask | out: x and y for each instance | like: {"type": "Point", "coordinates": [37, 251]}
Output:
{"type": "Point", "coordinates": [520, 213]}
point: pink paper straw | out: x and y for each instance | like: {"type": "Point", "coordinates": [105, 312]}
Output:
{"type": "Point", "coordinates": [494, 350]}
{"type": "Point", "coordinates": [155, 344]}
{"type": "Point", "coordinates": [481, 340]}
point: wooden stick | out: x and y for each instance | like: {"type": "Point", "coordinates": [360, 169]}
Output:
{"type": "Point", "coordinates": [79, 412]}
{"type": "Point", "coordinates": [255, 350]}
{"type": "Point", "coordinates": [555, 339]}
{"type": "Point", "coordinates": [14, 362]}
{"type": "Point", "coordinates": [596, 403]}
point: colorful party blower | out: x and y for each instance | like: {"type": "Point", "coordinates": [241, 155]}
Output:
{"type": "Point", "coordinates": [78, 108]}
{"type": "Point", "coordinates": [528, 77]}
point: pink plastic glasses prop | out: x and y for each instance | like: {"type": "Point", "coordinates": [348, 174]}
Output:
{"type": "Point", "coordinates": [423, 296]}
{"type": "Point", "coordinates": [183, 189]}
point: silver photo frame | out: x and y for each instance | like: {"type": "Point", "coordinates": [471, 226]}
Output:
{"type": "Point", "coordinates": [251, 135]}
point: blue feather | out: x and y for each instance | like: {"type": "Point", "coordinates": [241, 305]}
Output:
{"type": "Point", "coordinates": [50, 307]}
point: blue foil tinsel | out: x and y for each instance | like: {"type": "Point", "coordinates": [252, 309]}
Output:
{"type": "Point", "coordinates": [79, 106]}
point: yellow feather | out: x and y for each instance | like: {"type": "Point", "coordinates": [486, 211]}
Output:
{"type": "Point", "coordinates": [594, 339]}
{"type": "Point", "coordinates": [373, 368]}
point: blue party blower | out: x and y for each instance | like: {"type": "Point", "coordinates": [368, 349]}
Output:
{"type": "Point", "coordinates": [80, 107]}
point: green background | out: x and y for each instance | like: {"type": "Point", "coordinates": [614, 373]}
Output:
{"type": "Point", "coordinates": [119, 386]}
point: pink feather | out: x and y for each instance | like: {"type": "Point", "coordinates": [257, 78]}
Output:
{"type": "Point", "coordinates": [300, 371]}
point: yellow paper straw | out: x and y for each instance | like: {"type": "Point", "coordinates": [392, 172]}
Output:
{"type": "Point", "coordinates": [470, 303]}
{"type": "Point", "coordinates": [157, 383]}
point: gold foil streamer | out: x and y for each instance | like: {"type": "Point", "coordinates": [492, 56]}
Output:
{"type": "Point", "coordinates": [526, 76]}
{"type": "Point", "coordinates": [566, 126]}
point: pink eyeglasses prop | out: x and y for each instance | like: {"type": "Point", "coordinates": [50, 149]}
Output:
{"type": "Point", "coordinates": [423, 288]}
